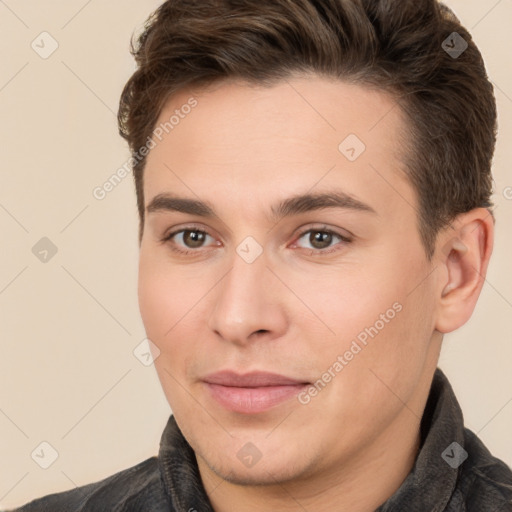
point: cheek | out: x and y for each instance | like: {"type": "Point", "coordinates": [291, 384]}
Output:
{"type": "Point", "coordinates": [154, 301]}
{"type": "Point", "coordinates": [169, 307]}
{"type": "Point", "coordinates": [161, 296]}
{"type": "Point", "coordinates": [160, 305]}
{"type": "Point", "coordinates": [344, 302]}
{"type": "Point", "coordinates": [372, 308]}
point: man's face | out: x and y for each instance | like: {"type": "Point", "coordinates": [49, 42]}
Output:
{"type": "Point", "coordinates": [335, 300]}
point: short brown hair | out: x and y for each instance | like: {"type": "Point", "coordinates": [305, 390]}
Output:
{"type": "Point", "coordinates": [396, 46]}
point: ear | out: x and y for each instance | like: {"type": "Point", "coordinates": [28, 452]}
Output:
{"type": "Point", "coordinates": [463, 251]}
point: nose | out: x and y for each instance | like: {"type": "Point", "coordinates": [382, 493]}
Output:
{"type": "Point", "coordinates": [249, 303]}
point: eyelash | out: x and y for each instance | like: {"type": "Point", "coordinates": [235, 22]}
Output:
{"type": "Point", "coordinates": [168, 238]}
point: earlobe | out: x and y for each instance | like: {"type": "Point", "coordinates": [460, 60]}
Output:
{"type": "Point", "coordinates": [464, 253]}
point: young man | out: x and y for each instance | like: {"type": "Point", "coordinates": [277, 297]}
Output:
{"type": "Point", "coordinates": [313, 183]}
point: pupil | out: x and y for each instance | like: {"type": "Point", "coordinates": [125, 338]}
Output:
{"type": "Point", "coordinates": [195, 237]}
{"type": "Point", "coordinates": [321, 237]}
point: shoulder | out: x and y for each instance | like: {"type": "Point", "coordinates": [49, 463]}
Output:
{"type": "Point", "coordinates": [485, 481]}
{"type": "Point", "coordinates": [138, 488]}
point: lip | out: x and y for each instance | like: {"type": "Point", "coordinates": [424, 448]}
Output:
{"type": "Point", "coordinates": [252, 393]}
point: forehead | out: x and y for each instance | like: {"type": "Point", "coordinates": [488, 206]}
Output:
{"type": "Point", "coordinates": [246, 140]}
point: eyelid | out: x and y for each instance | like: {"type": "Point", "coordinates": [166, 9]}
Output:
{"type": "Point", "coordinates": [343, 234]}
{"type": "Point", "coordinates": [187, 227]}
{"type": "Point", "coordinates": [344, 240]}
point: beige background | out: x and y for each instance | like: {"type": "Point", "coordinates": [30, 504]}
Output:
{"type": "Point", "coordinates": [69, 326]}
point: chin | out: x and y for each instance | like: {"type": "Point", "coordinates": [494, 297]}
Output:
{"type": "Point", "coordinates": [253, 476]}
{"type": "Point", "coordinates": [279, 470]}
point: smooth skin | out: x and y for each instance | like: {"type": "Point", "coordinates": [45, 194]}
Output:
{"type": "Point", "coordinates": [303, 301]}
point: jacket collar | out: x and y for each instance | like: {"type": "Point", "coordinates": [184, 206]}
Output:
{"type": "Point", "coordinates": [432, 480]}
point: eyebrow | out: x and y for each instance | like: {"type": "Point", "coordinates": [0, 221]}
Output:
{"type": "Point", "coordinates": [294, 205]}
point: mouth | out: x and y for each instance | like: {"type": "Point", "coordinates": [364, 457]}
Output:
{"type": "Point", "coordinates": [253, 392]}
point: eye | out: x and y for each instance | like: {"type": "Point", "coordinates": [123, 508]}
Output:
{"type": "Point", "coordinates": [190, 239]}
{"type": "Point", "coordinates": [187, 238]}
{"type": "Point", "coordinates": [321, 239]}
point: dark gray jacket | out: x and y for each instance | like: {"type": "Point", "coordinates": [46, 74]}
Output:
{"type": "Point", "coordinates": [454, 471]}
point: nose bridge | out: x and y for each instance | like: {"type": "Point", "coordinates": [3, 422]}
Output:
{"type": "Point", "coordinates": [246, 300]}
